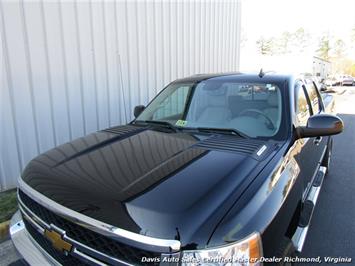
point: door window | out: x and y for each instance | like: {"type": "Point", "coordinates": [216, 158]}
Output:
{"type": "Point", "coordinates": [302, 107]}
{"type": "Point", "coordinates": [313, 97]}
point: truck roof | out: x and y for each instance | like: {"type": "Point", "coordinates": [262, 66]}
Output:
{"type": "Point", "coordinates": [249, 76]}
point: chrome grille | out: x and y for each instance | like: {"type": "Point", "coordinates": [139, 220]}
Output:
{"type": "Point", "coordinates": [47, 246]}
{"type": "Point", "coordinates": [89, 238]}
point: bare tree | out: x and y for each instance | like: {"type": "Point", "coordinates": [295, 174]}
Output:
{"type": "Point", "coordinates": [284, 42]}
{"type": "Point", "coordinates": [301, 40]}
{"type": "Point", "coordinates": [266, 46]}
{"type": "Point", "coordinates": [339, 48]}
{"type": "Point", "coordinates": [324, 48]}
{"type": "Point", "coordinates": [287, 42]}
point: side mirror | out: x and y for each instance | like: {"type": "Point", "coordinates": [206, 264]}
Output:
{"type": "Point", "coordinates": [321, 125]}
{"type": "Point", "coordinates": [138, 110]}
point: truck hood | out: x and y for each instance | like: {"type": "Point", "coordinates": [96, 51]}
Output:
{"type": "Point", "coordinates": [159, 184]}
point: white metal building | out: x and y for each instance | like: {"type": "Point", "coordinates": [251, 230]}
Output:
{"type": "Point", "coordinates": [70, 68]}
{"type": "Point", "coordinates": [321, 68]}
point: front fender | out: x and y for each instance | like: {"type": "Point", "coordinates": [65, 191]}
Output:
{"type": "Point", "coordinates": [267, 206]}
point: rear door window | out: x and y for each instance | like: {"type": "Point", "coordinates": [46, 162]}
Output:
{"type": "Point", "coordinates": [313, 97]}
{"type": "Point", "coordinates": [302, 107]}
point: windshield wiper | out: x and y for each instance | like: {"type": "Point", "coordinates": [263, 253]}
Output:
{"type": "Point", "coordinates": [157, 122]}
{"type": "Point", "coordinates": [223, 130]}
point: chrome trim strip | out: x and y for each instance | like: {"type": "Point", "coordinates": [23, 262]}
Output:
{"type": "Point", "coordinates": [314, 192]}
{"type": "Point", "coordinates": [82, 256]}
{"type": "Point", "coordinates": [261, 150]}
{"type": "Point", "coordinates": [130, 238]}
{"type": "Point", "coordinates": [24, 209]}
{"type": "Point", "coordinates": [32, 218]}
{"type": "Point", "coordinates": [94, 253]}
{"type": "Point", "coordinates": [323, 153]}
{"type": "Point", "coordinates": [299, 237]}
{"type": "Point", "coordinates": [31, 221]}
{"type": "Point", "coordinates": [309, 186]}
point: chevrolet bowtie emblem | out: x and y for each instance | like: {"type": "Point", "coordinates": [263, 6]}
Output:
{"type": "Point", "coordinates": [57, 240]}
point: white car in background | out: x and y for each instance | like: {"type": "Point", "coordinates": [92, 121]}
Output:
{"type": "Point", "coordinates": [346, 80]}
{"type": "Point", "coordinates": [332, 81]}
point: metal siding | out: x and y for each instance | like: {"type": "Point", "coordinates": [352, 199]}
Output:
{"type": "Point", "coordinates": [71, 68]}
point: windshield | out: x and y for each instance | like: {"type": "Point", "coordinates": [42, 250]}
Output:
{"type": "Point", "coordinates": [253, 109]}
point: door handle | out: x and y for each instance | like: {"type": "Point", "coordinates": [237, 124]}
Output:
{"type": "Point", "coordinates": [317, 140]}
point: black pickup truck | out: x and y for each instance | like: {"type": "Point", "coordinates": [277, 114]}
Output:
{"type": "Point", "coordinates": [220, 169]}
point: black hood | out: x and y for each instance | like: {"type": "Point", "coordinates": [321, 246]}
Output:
{"type": "Point", "coordinates": [164, 185]}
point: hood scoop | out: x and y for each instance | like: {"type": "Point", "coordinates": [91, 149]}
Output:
{"type": "Point", "coordinates": [255, 148]}
{"type": "Point", "coordinates": [124, 130]}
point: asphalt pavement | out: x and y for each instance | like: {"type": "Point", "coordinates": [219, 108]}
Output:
{"type": "Point", "coordinates": [332, 230]}
{"type": "Point", "coordinates": [8, 255]}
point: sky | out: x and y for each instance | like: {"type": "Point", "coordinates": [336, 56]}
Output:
{"type": "Point", "coordinates": [274, 16]}
{"type": "Point", "coordinates": [271, 18]}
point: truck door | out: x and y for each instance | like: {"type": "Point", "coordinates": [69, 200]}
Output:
{"type": "Point", "coordinates": [310, 148]}
{"type": "Point", "coordinates": [318, 143]}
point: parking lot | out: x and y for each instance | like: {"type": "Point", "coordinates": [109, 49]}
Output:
{"type": "Point", "coordinates": [332, 230]}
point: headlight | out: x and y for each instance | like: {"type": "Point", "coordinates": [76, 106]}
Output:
{"type": "Point", "coordinates": [245, 252]}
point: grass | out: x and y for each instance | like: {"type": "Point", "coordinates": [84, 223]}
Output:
{"type": "Point", "coordinates": [8, 204]}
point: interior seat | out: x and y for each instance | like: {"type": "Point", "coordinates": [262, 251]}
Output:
{"type": "Point", "coordinates": [216, 111]}
{"type": "Point", "coordinates": [273, 111]}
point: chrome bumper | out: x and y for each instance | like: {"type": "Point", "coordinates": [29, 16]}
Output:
{"type": "Point", "coordinates": [25, 245]}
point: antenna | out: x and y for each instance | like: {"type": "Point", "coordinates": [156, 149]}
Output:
{"type": "Point", "coordinates": [261, 73]}
{"type": "Point", "coordinates": [122, 89]}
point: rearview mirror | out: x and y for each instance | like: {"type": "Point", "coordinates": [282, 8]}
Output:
{"type": "Point", "coordinates": [138, 110]}
{"type": "Point", "coordinates": [321, 125]}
